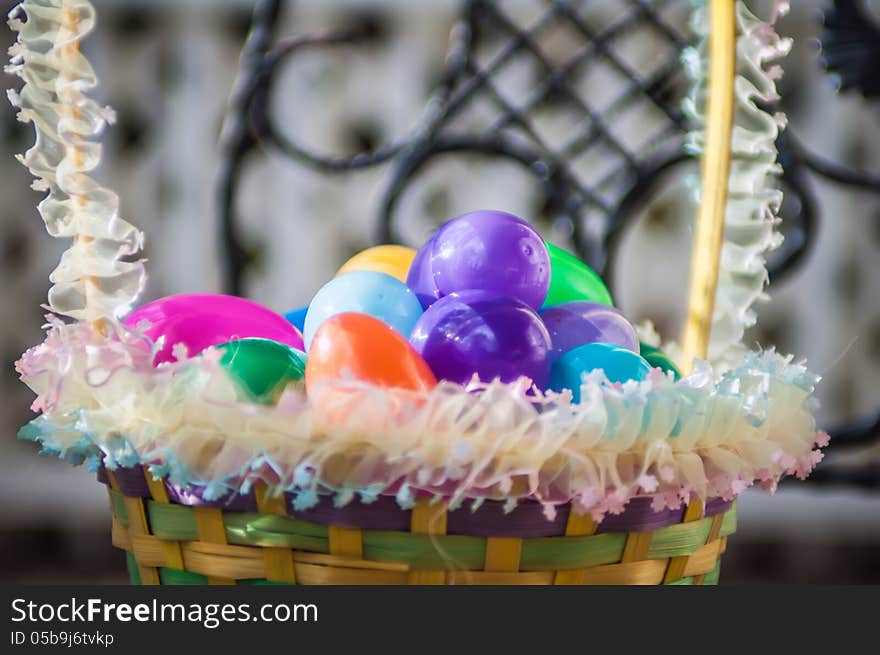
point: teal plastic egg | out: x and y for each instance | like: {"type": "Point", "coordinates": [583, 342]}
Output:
{"type": "Point", "coordinates": [619, 365]}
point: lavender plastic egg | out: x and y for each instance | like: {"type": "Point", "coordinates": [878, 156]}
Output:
{"type": "Point", "coordinates": [573, 324]}
{"type": "Point", "coordinates": [480, 332]}
{"type": "Point", "coordinates": [485, 250]}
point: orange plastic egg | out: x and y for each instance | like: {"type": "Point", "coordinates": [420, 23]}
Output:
{"type": "Point", "coordinates": [351, 346]}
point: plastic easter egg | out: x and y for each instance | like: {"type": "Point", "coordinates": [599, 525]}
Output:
{"type": "Point", "coordinates": [572, 280]}
{"type": "Point", "coordinates": [356, 346]}
{"type": "Point", "coordinates": [480, 332]}
{"type": "Point", "coordinates": [366, 292]}
{"type": "Point", "coordinates": [421, 278]}
{"type": "Point", "coordinates": [263, 368]}
{"type": "Point", "coordinates": [489, 251]}
{"type": "Point", "coordinates": [659, 359]}
{"type": "Point", "coordinates": [297, 318]}
{"type": "Point", "coordinates": [573, 324]}
{"type": "Point", "coordinates": [619, 364]}
{"type": "Point", "coordinates": [392, 260]}
{"type": "Point", "coordinates": [199, 321]}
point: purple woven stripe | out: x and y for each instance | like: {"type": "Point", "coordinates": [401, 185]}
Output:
{"type": "Point", "coordinates": [638, 516]}
{"type": "Point", "coordinates": [382, 514]}
{"type": "Point", "coordinates": [132, 482]}
{"type": "Point", "coordinates": [717, 506]}
{"type": "Point", "coordinates": [526, 520]}
{"type": "Point", "coordinates": [193, 496]}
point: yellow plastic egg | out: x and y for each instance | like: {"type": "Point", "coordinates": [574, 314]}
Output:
{"type": "Point", "coordinates": [393, 260]}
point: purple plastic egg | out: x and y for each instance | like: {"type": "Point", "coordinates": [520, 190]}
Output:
{"type": "Point", "coordinates": [484, 250]}
{"type": "Point", "coordinates": [481, 332]}
{"type": "Point", "coordinates": [420, 278]}
{"type": "Point", "coordinates": [574, 324]}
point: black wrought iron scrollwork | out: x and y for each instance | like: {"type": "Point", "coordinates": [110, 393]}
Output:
{"type": "Point", "coordinates": [614, 200]}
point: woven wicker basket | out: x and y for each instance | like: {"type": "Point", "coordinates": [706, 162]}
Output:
{"type": "Point", "coordinates": [173, 537]}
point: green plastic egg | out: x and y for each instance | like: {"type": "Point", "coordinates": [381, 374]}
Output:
{"type": "Point", "coordinates": [263, 368]}
{"type": "Point", "coordinates": [571, 279]}
{"type": "Point", "coordinates": [659, 359]}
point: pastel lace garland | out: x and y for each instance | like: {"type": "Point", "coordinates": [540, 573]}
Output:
{"type": "Point", "coordinates": [703, 435]}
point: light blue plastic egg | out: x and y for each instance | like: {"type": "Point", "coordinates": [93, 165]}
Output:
{"type": "Point", "coordinates": [366, 292]}
{"type": "Point", "coordinates": [298, 317]}
{"type": "Point", "coordinates": [619, 364]}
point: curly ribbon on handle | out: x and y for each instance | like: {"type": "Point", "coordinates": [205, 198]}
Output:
{"type": "Point", "coordinates": [709, 234]}
{"type": "Point", "coordinates": [94, 282]}
{"type": "Point", "coordinates": [737, 221]}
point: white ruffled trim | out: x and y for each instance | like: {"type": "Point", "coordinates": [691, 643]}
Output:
{"type": "Point", "coordinates": [754, 198]}
{"type": "Point", "coordinates": [91, 282]}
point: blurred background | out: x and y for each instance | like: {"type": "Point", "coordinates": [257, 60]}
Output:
{"type": "Point", "coordinates": [168, 67]}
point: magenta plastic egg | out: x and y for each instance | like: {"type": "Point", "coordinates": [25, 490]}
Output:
{"type": "Point", "coordinates": [485, 250]}
{"type": "Point", "coordinates": [199, 321]}
{"type": "Point", "coordinates": [573, 324]}
{"type": "Point", "coordinates": [480, 332]}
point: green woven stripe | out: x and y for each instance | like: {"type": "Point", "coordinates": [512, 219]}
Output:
{"type": "Point", "coordinates": [172, 522]}
{"type": "Point", "coordinates": [175, 577]}
{"type": "Point", "coordinates": [269, 530]}
{"type": "Point", "coordinates": [425, 551]}
{"type": "Point", "coordinates": [263, 583]}
{"type": "Point", "coordinates": [551, 553]}
{"type": "Point", "coordinates": [134, 573]}
{"type": "Point", "coordinates": [678, 540]}
{"type": "Point", "coordinates": [713, 575]}
{"type": "Point", "coordinates": [118, 502]}
{"type": "Point", "coordinates": [688, 581]}
{"type": "Point", "coordinates": [728, 524]}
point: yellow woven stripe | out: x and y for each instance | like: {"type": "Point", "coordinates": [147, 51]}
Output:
{"type": "Point", "coordinates": [114, 483]}
{"type": "Point", "coordinates": [120, 536]}
{"type": "Point", "coordinates": [209, 523]}
{"type": "Point", "coordinates": [279, 562]}
{"type": "Point", "coordinates": [270, 503]}
{"type": "Point", "coordinates": [428, 519]}
{"type": "Point", "coordinates": [310, 574]}
{"type": "Point", "coordinates": [502, 554]}
{"type": "Point", "coordinates": [345, 542]}
{"type": "Point", "coordinates": [139, 526]}
{"type": "Point", "coordinates": [709, 229]}
{"type": "Point", "coordinates": [499, 578]}
{"type": "Point", "coordinates": [703, 561]}
{"type": "Point", "coordinates": [717, 520]}
{"type": "Point", "coordinates": [637, 546]}
{"type": "Point", "coordinates": [580, 524]}
{"type": "Point", "coordinates": [157, 488]}
{"type": "Point", "coordinates": [171, 549]}
{"type": "Point", "coordinates": [223, 564]}
{"type": "Point", "coordinates": [643, 572]}
{"type": "Point", "coordinates": [675, 569]}
{"type": "Point", "coordinates": [577, 525]}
